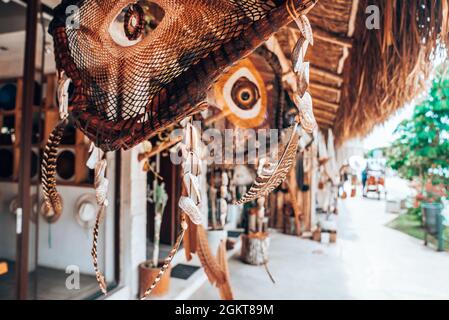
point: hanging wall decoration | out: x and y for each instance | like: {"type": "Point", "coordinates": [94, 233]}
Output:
{"type": "Point", "coordinates": [131, 82]}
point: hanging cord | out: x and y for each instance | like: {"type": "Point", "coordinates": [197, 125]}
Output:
{"type": "Point", "coordinates": [291, 9]}
{"type": "Point", "coordinates": [101, 190]}
{"type": "Point", "coordinates": [169, 258]}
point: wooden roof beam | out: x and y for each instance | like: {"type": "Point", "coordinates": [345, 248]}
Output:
{"type": "Point", "coordinates": [332, 106]}
{"type": "Point", "coordinates": [319, 86]}
{"type": "Point", "coordinates": [333, 38]}
{"type": "Point", "coordinates": [327, 36]}
{"type": "Point", "coordinates": [326, 74]}
{"type": "Point", "coordinates": [320, 114]}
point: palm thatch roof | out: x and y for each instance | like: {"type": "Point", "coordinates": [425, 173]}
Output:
{"type": "Point", "coordinates": [360, 77]}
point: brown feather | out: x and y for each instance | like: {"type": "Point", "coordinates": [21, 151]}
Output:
{"type": "Point", "coordinates": [213, 270]}
{"type": "Point", "coordinates": [267, 183]}
{"type": "Point", "coordinates": [224, 289]}
{"type": "Point", "coordinates": [190, 239]}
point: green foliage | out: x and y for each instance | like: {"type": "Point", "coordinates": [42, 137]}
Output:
{"type": "Point", "coordinates": [422, 147]}
{"type": "Point", "coordinates": [415, 212]}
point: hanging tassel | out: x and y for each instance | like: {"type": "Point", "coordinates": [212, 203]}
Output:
{"type": "Point", "coordinates": [52, 198]}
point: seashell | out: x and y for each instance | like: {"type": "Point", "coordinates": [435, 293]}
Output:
{"type": "Point", "coordinates": [192, 164]}
{"type": "Point", "coordinates": [95, 155]}
{"type": "Point", "coordinates": [298, 54]}
{"type": "Point", "coordinates": [191, 185]}
{"type": "Point", "coordinates": [302, 79]}
{"type": "Point", "coordinates": [305, 108]}
{"type": "Point", "coordinates": [304, 26]}
{"type": "Point", "coordinates": [224, 179]}
{"type": "Point", "coordinates": [189, 207]}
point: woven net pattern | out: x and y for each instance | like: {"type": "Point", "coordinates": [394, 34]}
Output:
{"type": "Point", "coordinates": [126, 92]}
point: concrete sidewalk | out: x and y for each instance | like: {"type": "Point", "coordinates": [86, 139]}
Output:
{"type": "Point", "coordinates": [370, 261]}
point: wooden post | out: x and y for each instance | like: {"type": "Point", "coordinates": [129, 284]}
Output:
{"type": "Point", "coordinates": [25, 150]}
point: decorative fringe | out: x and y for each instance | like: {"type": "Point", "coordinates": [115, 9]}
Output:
{"type": "Point", "coordinates": [52, 199]}
{"type": "Point", "coordinates": [190, 240]}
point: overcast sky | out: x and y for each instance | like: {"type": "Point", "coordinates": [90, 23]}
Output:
{"type": "Point", "coordinates": [382, 135]}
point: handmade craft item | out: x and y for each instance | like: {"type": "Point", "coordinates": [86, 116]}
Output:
{"type": "Point", "coordinates": [132, 82]}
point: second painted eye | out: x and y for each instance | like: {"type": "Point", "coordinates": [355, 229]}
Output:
{"type": "Point", "coordinates": [134, 22]}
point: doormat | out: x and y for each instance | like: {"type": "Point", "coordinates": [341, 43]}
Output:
{"type": "Point", "coordinates": [183, 271]}
{"type": "Point", "coordinates": [234, 233]}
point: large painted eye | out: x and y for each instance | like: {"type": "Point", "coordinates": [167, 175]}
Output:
{"type": "Point", "coordinates": [245, 93]}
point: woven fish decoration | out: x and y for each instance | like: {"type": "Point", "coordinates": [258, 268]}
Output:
{"type": "Point", "coordinates": [129, 88]}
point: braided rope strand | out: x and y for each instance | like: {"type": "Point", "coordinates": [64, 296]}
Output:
{"type": "Point", "coordinates": [168, 260]}
{"type": "Point", "coordinates": [52, 198]}
{"type": "Point", "coordinates": [100, 277]}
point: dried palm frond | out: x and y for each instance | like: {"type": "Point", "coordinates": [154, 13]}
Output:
{"type": "Point", "coordinates": [268, 181]}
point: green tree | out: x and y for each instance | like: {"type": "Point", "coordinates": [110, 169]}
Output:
{"type": "Point", "coordinates": [421, 150]}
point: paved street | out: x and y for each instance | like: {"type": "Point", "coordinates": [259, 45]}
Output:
{"type": "Point", "coordinates": [370, 261]}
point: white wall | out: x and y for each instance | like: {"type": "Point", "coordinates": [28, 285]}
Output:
{"type": "Point", "coordinates": [133, 223]}
{"type": "Point", "coordinates": [70, 243]}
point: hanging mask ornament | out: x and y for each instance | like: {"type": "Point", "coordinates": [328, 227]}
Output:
{"type": "Point", "coordinates": [131, 84]}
